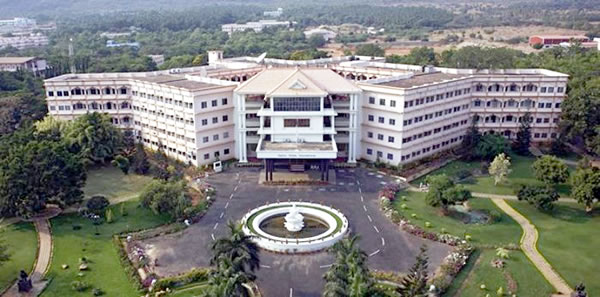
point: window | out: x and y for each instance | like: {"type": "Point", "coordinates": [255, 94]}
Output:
{"type": "Point", "coordinates": [392, 122]}
{"type": "Point", "coordinates": [390, 156]}
{"type": "Point", "coordinates": [371, 100]}
{"type": "Point", "coordinates": [224, 102]}
{"type": "Point", "coordinates": [369, 151]}
{"type": "Point", "coordinates": [548, 105]}
{"type": "Point", "coordinates": [379, 136]}
{"type": "Point", "coordinates": [382, 102]}
{"type": "Point", "coordinates": [392, 103]}
{"type": "Point", "coordinates": [52, 107]}
{"type": "Point", "coordinates": [50, 94]}
{"type": "Point", "coordinates": [123, 91]}
{"type": "Point", "coordinates": [560, 90]}
{"type": "Point", "coordinates": [550, 90]}
{"type": "Point", "coordinates": [391, 139]}
{"type": "Point", "coordinates": [213, 103]}
{"type": "Point", "coordinates": [206, 156]}
{"type": "Point", "coordinates": [225, 134]}
{"type": "Point", "coordinates": [379, 154]}
{"type": "Point", "coordinates": [226, 151]}
{"type": "Point", "coordinates": [371, 118]}
{"type": "Point", "coordinates": [205, 139]}
{"type": "Point", "coordinates": [297, 104]}
{"type": "Point", "coordinates": [204, 122]}
{"type": "Point", "coordinates": [381, 120]}
{"type": "Point", "coordinates": [216, 137]}
{"type": "Point", "coordinates": [215, 120]}
{"type": "Point", "coordinates": [305, 123]}
{"type": "Point", "coordinates": [557, 105]}
{"type": "Point", "coordinates": [204, 104]}
{"type": "Point", "coordinates": [225, 118]}
{"type": "Point", "coordinates": [543, 90]}
{"type": "Point", "coordinates": [370, 134]}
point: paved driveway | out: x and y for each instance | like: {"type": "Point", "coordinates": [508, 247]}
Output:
{"type": "Point", "coordinates": [355, 194]}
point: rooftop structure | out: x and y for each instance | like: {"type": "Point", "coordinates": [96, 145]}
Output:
{"type": "Point", "coordinates": [255, 26]}
{"type": "Point", "coordinates": [311, 113]}
{"type": "Point", "coordinates": [326, 34]}
{"type": "Point", "coordinates": [555, 40]}
{"type": "Point", "coordinates": [274, 13]}
{"type": "Point", "coordinates": [32, 64]}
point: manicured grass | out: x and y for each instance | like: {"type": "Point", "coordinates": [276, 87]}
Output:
{"type": "Point", "coordinates": [501, 232]}
{"type": "Point", "coordinates": [105, 271]}
{"type": "Point", "coordinates": [110, 182]}
{"type": "Point", "coordinates": [21, 240]}
{"type": "Point", "coordinates": [191, 290]}
{"type": "Point", "coordinates": [518, 276]}
{"type": "Point", "coordinates": [568, 239]}
{"type": "Point", "coordinates": [521, 173]}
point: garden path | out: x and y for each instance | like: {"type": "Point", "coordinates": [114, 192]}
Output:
{"type": "Point", "coordinates": [529, 247]}
{"type": "Point", "coordinates": [490, 196]}
{"type": "Point", "coordinates": [44, 255]}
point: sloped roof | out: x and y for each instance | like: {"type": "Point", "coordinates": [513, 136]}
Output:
{"type": "Point", "coordinates": [297, 82]}
{"type": "Point", "coordinates": [15, 60]}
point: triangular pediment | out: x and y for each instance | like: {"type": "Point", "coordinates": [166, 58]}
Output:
{"type": "Point", "coordinates": [297, 85]}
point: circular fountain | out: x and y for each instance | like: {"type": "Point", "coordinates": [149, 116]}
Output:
{"type": "Point", "coordinates": [295, 227]}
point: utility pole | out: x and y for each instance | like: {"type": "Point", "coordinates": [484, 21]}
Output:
{"type": "Point", "coordinates": [71, 58]}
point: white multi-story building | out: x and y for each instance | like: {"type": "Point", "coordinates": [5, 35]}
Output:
{"type": "Point", "coordinates": [24, 41]}
{"type": "Point", "coordinates": [311, 113]}
{"type": "Point", "coordinates": [17, 24]}
{"type": "Point", "coordinates": [255, 26]}
{"type": "Point", "coordinates": [274, 13]}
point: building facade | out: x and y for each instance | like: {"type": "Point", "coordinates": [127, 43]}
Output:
{"type": "Point", "coordinates": [24, 41]}
{"type": "Point", "coordinates": [307, 114]}
{"type": "Point", "coordinates": [29, 64]}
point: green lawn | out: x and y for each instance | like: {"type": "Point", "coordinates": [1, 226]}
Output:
{"type": "Point", "coordinates": [105, 270]}
{"type": "Point", "coordinates": [569, 240]}
{"type": "Point", "coordinates": [113, 184]}
{"type": "Point", "coordinates": [518, 276]}
{"type": "Point", "coordinates": [501, 232]}
{"type": "Point", "coordinates": [521, 173]}
{"type": "Point", "coordinates": [21, 239]}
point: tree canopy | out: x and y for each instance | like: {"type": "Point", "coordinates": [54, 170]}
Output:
{"type": "Point", "coordinates": [93, 137]}
{"type": "Point", "coordinates": [491, 145]}
{"type": "Point", "coordinates": [550, 170]}
{"type": "Point", "coordinates": [443, 192]}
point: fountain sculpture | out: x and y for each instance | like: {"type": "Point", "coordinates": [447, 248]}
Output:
{"type": "Point", "coordinates": [294, 220]}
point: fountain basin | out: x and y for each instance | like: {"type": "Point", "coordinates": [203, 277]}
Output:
{"type": "Point", "coordinates": [336, 226]}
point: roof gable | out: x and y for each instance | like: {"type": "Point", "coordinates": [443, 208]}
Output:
{"type": "Point", "coordinates": [297, 84]}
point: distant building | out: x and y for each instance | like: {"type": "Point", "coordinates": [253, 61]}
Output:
{"type": "Point", "coordinates": [16, 24]}
{"type": "Point", "coordinates": [157, 59]}
{"type": "Point", "coordinates": [24, 41]}
{"type": "Point", "coordinates": [114, 34]}
{"type": "Point", "coordinates": [256, 26]}
{"type": "Point", "coordinates": [327, 34]}
{"type": "Point", "coordinates": [551, 41]}
{"type": "Point", "coordinates": [274, 13]}
{"type": "Point", "coordinates": [112, 43]}
{"type": "Point", "coordinates": [31, 64]}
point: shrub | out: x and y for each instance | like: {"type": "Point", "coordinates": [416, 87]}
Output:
{"type": "Point", "coordinates": [97, 292]}
{"type": "Point", "coordinates": [97, 204]}
{"type": "Point", "coordinates": [196, 275]}
{"type": "Point", "coordinates": [542, 197]}
{"type": "Point", "coordinates": [79, 286]}
{"type": "Point", "coordinates": [463, 174]}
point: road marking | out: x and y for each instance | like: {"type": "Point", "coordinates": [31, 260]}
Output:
{"type": "Point", "coordinates": [325, 266]}
{"type": "Point", "coordinates": [213, 236]}
{"type": "Point", "coordinates": [265, 266]}
{"type": "Point", "coordinates": [358, 182]}
{"type": "Point", "coordinates": [231, 196]}
{"type": "Point", "coordinates": [226, 204]}
{"type": "Point", "coordinates": [364, 207]}
{"type": "Point", "coordinates": [235, 189]}
{"type": "Point", "coordinates": [360, 190]}
{"type": "Point", "coordinates": [221, 216]}
{"type": "Point", "coordinates": [376, 228]}
{"type": "Point", "coordinates": [382, 241]}
{"type": "Point", "coordinates": [291, 292]}
{"type": "Point", "coordinates": [369, 217]}
{"type": "Point", "coordinates": [215, 227]}
{"type": "Point", "coordinates": [374, 253]}
{"type": "Point", "coordinates": [362, 199]}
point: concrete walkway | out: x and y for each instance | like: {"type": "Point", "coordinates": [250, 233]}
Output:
{"type": "Point", "coordinates": [44, 255]}
{"type": "Point", "coordinates": [529, 247]}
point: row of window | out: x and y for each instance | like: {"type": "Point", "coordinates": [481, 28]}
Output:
{"type": "Point", "coordinates": [215, 137]}
{"type": "Point", "coordinates": [513, 103]}
{"type": "Point", "coordinates": [437, 97]}
{"type": "Point", "coordinates": [510, 118]}
{"type": "Point", "coordinates": [164, 131]}
{"type": "Point", "coordinates": [189, 105]}
{"type": "Point", "coordinates": [436, 114]}
{"type": "Point", "coordinates": [431, 148]}
{"type": "Point", "coordinates": [517, 88]}
{"type": "Point", "coordinates": [90, 91]}
{"type": "Point", "coordinates": [191, 155]}
{"type": "Point", "coordinates": [92, 106]}
{"type": "Point", "coordinates": [434, 131]}
{"type": "Point", "coordinates": [291, 123]}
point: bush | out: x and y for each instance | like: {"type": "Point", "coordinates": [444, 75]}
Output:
{"type": "Point", "coordinates": [97, 204]}
{"type": "Point", "coordinates": [79, 286]}
{"type": "Point", "coordinates": [542, 197]}
{"type": "Point", "coordinates": [463, 174]}
{"type": "Point", "coordinates": [97, 292]}
{"type": "Point", "coordinates": [196, 275]}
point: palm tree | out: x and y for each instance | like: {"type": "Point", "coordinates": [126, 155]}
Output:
{"type": "Point", "coordinates": [414, 284]}
{"type": "Point", "coordinates": [239, 249]}
{"type": "Point", "coordinates": [348, 275]}
{"type": "Point", "coordinates": [226, 281]}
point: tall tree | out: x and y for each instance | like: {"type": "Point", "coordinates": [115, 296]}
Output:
{"type": "Point", "coordinates": [500, 168]}
{"type": "Point", "coordinates": [414, 284]}
{"type": "Point", "coordinates": [550, 170]}
{"type": "Point", "coordinates": [586, 187]}
{"type": "Point", "coordinates": [94, 137]}
{"type": "Point", "coordinates": [491, 145]}
{"type": "Point", "coordinates": [37, 173]}
{"type": "Point", "coordinates": [166, 197]}
{"type": "Point", "coordinates": [349, 275]}
{"type": "Point", "coordinates": [471, 139]}
{"type": "Point", "coordinates": [523, 141]}
{"type": "Point", "coordinates": [140, 163]}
